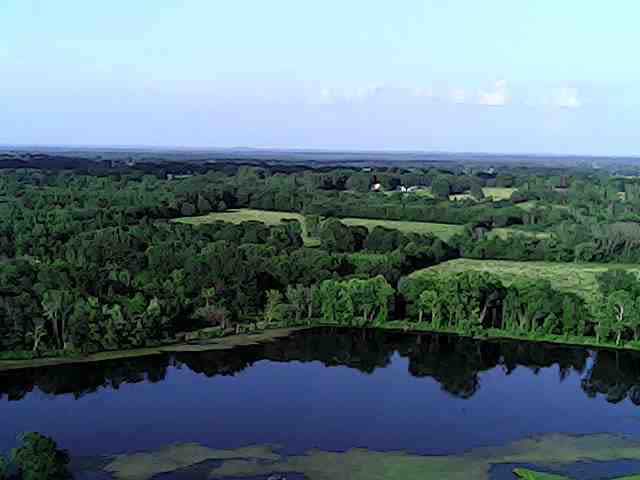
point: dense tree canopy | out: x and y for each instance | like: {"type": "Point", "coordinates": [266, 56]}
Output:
{"type": "Point", "coordinates": [92, 260]}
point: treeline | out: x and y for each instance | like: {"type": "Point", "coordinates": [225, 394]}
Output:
{"type": "Point", "coordinates": [478, 302]}
{"type": "Point", "coordinates": [617, 242]}
{"type": "Point", "coordinates": [578, 216]}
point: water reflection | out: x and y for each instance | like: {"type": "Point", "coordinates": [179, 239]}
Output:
{"type": "Point", "coordinates": [455, 363]}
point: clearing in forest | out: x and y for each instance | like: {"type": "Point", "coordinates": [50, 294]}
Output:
{"type": "Point", "coordinates": [440, 230]}
{"type": "Point", "coordinates": [579, 278]}
{"type": "Point", "coordinates": [270, 217]}
{"type": "Point", "coordinates": [494, 193]}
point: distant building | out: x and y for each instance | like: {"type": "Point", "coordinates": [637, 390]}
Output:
{"type": "Point", "coordinates": [175, 176]}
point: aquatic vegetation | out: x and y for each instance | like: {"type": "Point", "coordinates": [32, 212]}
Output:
{"type": "Point", "coordinates": [362, 464]}
{"type": "Point", "coordinates": [525, 474]}
{"type": "Point", "coordinates": [142, 466]}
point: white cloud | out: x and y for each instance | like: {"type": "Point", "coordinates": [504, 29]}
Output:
{"type": "Point", "coordinates": [566, 97]}
{"type": "Point", "coordinates": [499, 96]}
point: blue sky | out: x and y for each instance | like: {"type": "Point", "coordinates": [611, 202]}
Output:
{"type": "Point", "coordinates": [494, 75]}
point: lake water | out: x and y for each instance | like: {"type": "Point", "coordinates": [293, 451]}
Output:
{"type": "Point", "coordinates": [330, 390]}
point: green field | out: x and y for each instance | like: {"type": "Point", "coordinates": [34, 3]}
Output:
{"type": "Point", "coordinates": [498, 193]}
{"type": "Point", "coordinates": [246, 214]}
{"type": "Point", "coordinates": [243, 215]}
{"type": "Point", "coordinates": [569, 277]}
{"type": "Point", "coordinates": [441, 230]}
{"type": "Point", "coordinates": [269, 217]}
{"type": "Point", "coordinates": [494, 193]}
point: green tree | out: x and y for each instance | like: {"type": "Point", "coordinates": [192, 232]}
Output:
{"type": "Point", "coordinates": [274, 309]}
{"type": "Point", "coordinates": [3, 468]}
{"type": "Point", "coordinates": [619, 312]}
{"type": "Point", "coordinates": [441, 187]}
{"type": "Point", "coordinates": [297, 298]}
{"type": "Point", "coordinates": [336, 237]}
{"type": "Point", "coordinates": [613, 280]}
{"type": "Point", "coordinates": [38, 334]}
{"type": "Point", "coordinates": [187, 209]}
{"type": "Point", "coordinates": [204, 206]}
{"type": "Point", "coordinates": [370, 299]}
{"type": "Point", "coordinates": [39, 458]}
{"type": "Point", "coordinates": [312, 224]}
{"type": "Point", "coordinates": [428, 303]}
{"type": "Point", "coordinates": [476, 191]}
{"type": "Point", "coordinates": [335, 302]}
{"type": "Point", "coordinates": [57, 306]}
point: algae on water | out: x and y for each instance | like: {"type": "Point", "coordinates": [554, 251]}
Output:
{"type": "Point", "coordinates": [361, 464]}
{"type": "Point", "coordinates": [143, 466]}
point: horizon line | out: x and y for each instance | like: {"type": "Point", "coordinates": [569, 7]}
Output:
{"type": "Point", "coordinates": [301, 149]}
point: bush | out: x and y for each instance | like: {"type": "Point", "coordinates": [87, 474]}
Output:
{"type": "Point", "coordinates": [3, 468]}
{"type": "Point", "coordinates": [38, 458]}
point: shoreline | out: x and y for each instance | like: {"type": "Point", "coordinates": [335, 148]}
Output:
{"type": "Point", "coordinates": [495, 335]}
{"type": "Point", "coordinates": [222, 343]}
{"type": "Point", "coordinates": [248, 339]}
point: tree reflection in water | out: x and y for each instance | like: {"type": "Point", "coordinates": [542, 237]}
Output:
{"type": "Point", "coordinates": [454, 362]}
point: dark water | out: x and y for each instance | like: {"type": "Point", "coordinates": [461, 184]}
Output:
{"type": "Point", "coordinates": [329, 390]}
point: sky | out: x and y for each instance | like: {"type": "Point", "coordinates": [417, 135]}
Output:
{"type": "Point", "coordinates": [520, 76]}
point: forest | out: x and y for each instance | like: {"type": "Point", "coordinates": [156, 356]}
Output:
{"type": "Point", "coordinates": [98, 259]}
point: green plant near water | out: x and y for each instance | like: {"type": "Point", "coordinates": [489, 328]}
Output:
{"type": "Point", "coordinates": [36, 458]}
{"type": "Point", "coordinates": [3, 468]}
{"type": "Point", "coordinates": [525, 474]}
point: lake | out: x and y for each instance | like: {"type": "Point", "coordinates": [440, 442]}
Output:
{"type": "Point", "coordinates": [336, 390]}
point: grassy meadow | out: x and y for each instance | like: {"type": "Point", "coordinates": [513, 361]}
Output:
{"type": "Point", "coordinates": [494, 193]}
{"type": "Point", "coordinates": [441, 230]}
{"type": "Point", "coordinates": [270, 217]}
{"type": "Point", "coordinates": [246, 214]}
{"type": "Point", "coordinates": [579, 278]}
{"type": "Point", "coordinates": [498, 193]}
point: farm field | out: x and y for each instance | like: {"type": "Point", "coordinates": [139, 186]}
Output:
{"type": "Point", "coordinates": [569, 277]}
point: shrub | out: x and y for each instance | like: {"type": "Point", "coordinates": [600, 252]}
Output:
{"type": "Point", "coordinates": [38, 458]}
